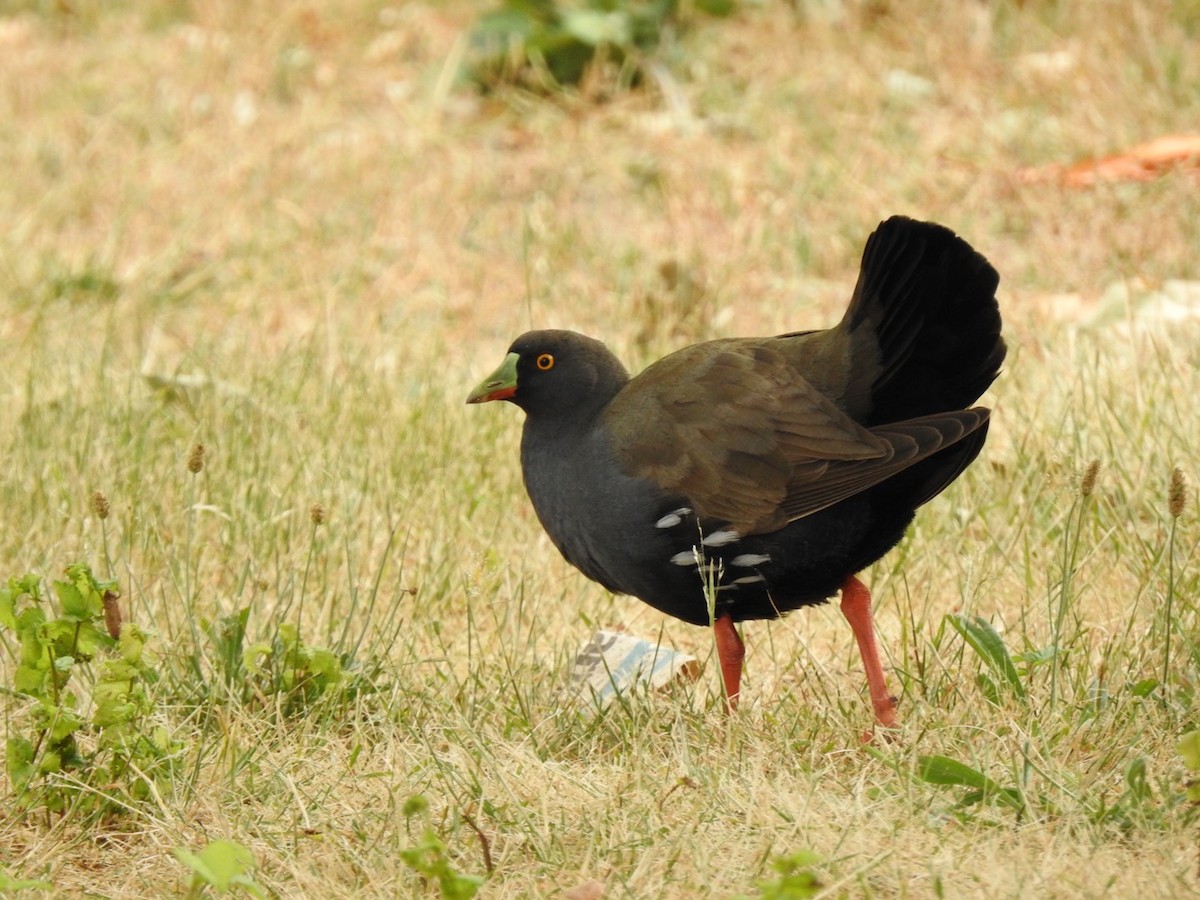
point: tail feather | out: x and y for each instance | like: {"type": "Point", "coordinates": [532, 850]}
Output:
{"type": "Point", "coordinates": [924, 311]}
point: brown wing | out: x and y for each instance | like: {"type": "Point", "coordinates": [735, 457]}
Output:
{"type": "Point", "coordinates": [731, 426]}
{"type": "Point", "coordinates": [823, 484]}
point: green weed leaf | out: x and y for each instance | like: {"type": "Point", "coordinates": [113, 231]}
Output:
{"type": "Point", "coordinates": [9, 884]}
{"type": "Point", "coordinates": [254, 656]}
{"type": "Point", "coordinates": [595, 27]}
{"type": "Point", "coordinates": [62, 721]}
{"type": "Point", "coordinates": [796, 880]}
{"type": "Point", "coordinates": [988, 688]}
{"type": "Point", "coordinates": [428, 858]}
{"type": "Point", "coordinates": [74, 603]}
{"type": "Point", "coordinates": [943, 770]}
{"type": "Point", "coordinates": [29, 680]}
{"type": "Point", "coordinates": [222, 865]}
{"type": "Point", "coordinates": [131, 643]}
{"type": "Point", "coordinates": [416, 805]}
{"type": "Point", "coordinates": [18, 761]}
{"type": "Point", "coordinates": [504, 25]}
{"type": "Point", "coordinates": [987, 643]}
{"type": "Point", "coordinates": [1137, 785]}
{"type": "Point", "coordinates": [1189, 749]}
{"type": "Point", "coordinates": [1145, 687]}
{"type": "Point", "coordinates": [28, 586]}
{"type": "Point", "coordinates": [325, 666]}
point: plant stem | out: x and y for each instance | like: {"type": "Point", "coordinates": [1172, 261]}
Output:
{"type": "Point", "coordinates": [1167, 615]}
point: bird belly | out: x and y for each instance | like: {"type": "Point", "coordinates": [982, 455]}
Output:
{"type": "Point", "coordinates": [762, 576]}
{"type": "Point", "coordinates": [632, 538]}
{"type": "Point", "coordinates": [696, 572]}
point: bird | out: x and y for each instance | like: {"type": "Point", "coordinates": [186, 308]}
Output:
{"type": "Point", "coordinates": [740, 479]}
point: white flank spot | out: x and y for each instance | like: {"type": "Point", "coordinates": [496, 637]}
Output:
{"type": "Point", "coordinates": [746, 560]}
{"type": "Point", "coordinates": [673, 518]}
{"type": "Point", "coordinates": [720, 538]}
{"type": "Point", "coordinates": [749, 579]}
{"type": "Point", "coordinates": [685, 558]}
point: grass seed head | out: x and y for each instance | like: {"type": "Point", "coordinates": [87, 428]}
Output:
{"type": "Point", "coordinates": [195, 462]}
{"type": "Point", "coordinates": [317, 514]}
{"type": "Point", "coordinates": [1177, 494]}
{"type": "Point", "coordinates": [100, 505]}
{"type": "Point", "coordinates": [1089, 478]}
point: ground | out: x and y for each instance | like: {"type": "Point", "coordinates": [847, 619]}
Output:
{"type": "Point", "coordinates": [295, 234]}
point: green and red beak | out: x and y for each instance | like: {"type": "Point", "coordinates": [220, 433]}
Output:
{"type": "Point", "coordinates": [500, 385]}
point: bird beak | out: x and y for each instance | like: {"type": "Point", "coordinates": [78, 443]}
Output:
{"type": "Point", "coordinates": [500, 385]}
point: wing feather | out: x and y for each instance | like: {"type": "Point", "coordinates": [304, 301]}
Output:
{"type": "Point", "coordinates": [734, 429]}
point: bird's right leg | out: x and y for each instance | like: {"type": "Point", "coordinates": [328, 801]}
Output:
{"type": "Point", "coordinates": [856, 607]}
{"type": "Point", "coordinates": [730, 651]}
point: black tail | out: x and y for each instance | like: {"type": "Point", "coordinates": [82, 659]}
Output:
{"type": "Point", "coordinates": [925, 303]}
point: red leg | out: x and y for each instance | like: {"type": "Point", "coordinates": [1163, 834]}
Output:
{"type": "Point", "coordinates": [730, 651]}
{"type": "Point", "coordinates": [856, 607]}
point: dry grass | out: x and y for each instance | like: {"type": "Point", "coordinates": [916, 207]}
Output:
{"type": "Point", "coordinates": [315, 240]}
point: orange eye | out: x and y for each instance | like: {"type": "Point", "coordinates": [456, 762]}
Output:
{"type": "Point", "coordinates": [545, 362]}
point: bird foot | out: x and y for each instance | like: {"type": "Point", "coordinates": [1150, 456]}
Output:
{"type": "Point", "coordinates": [887, 727]}
{"type": "Point", "coordinates": [885, 711]}
{"type": "Point", "coordinates": [880, 734]}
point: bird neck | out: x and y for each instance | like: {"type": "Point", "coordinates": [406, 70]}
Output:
{"type": "Point", "coordinates": [562, 426]}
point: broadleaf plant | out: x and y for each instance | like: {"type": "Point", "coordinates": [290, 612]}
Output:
{"type": "Point", "coordinates": [123, 754]}
{"type": "Point", "coordinates": [548, 44]}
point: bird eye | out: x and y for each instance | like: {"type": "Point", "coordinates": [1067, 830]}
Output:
{"type": "Point", "coordinates": [545, 362]}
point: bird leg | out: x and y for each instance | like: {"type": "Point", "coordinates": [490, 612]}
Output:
{"type": "Point", "coordinates": [856, 607]}
{"type": "Point", "coordinates": [730, 651]}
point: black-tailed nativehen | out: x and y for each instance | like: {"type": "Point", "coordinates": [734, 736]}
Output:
{"type": "Point", "coordinates": [743, 478]}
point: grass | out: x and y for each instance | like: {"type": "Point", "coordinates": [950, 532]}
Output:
{"type": "Point", "coordinates": [288, 234]}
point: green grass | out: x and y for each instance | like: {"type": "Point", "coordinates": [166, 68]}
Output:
{"type": "Point", "coordinates": [303, 261]}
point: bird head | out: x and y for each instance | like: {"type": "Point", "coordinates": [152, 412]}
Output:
{"type": "Point", "coordinates": [553, 372]}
